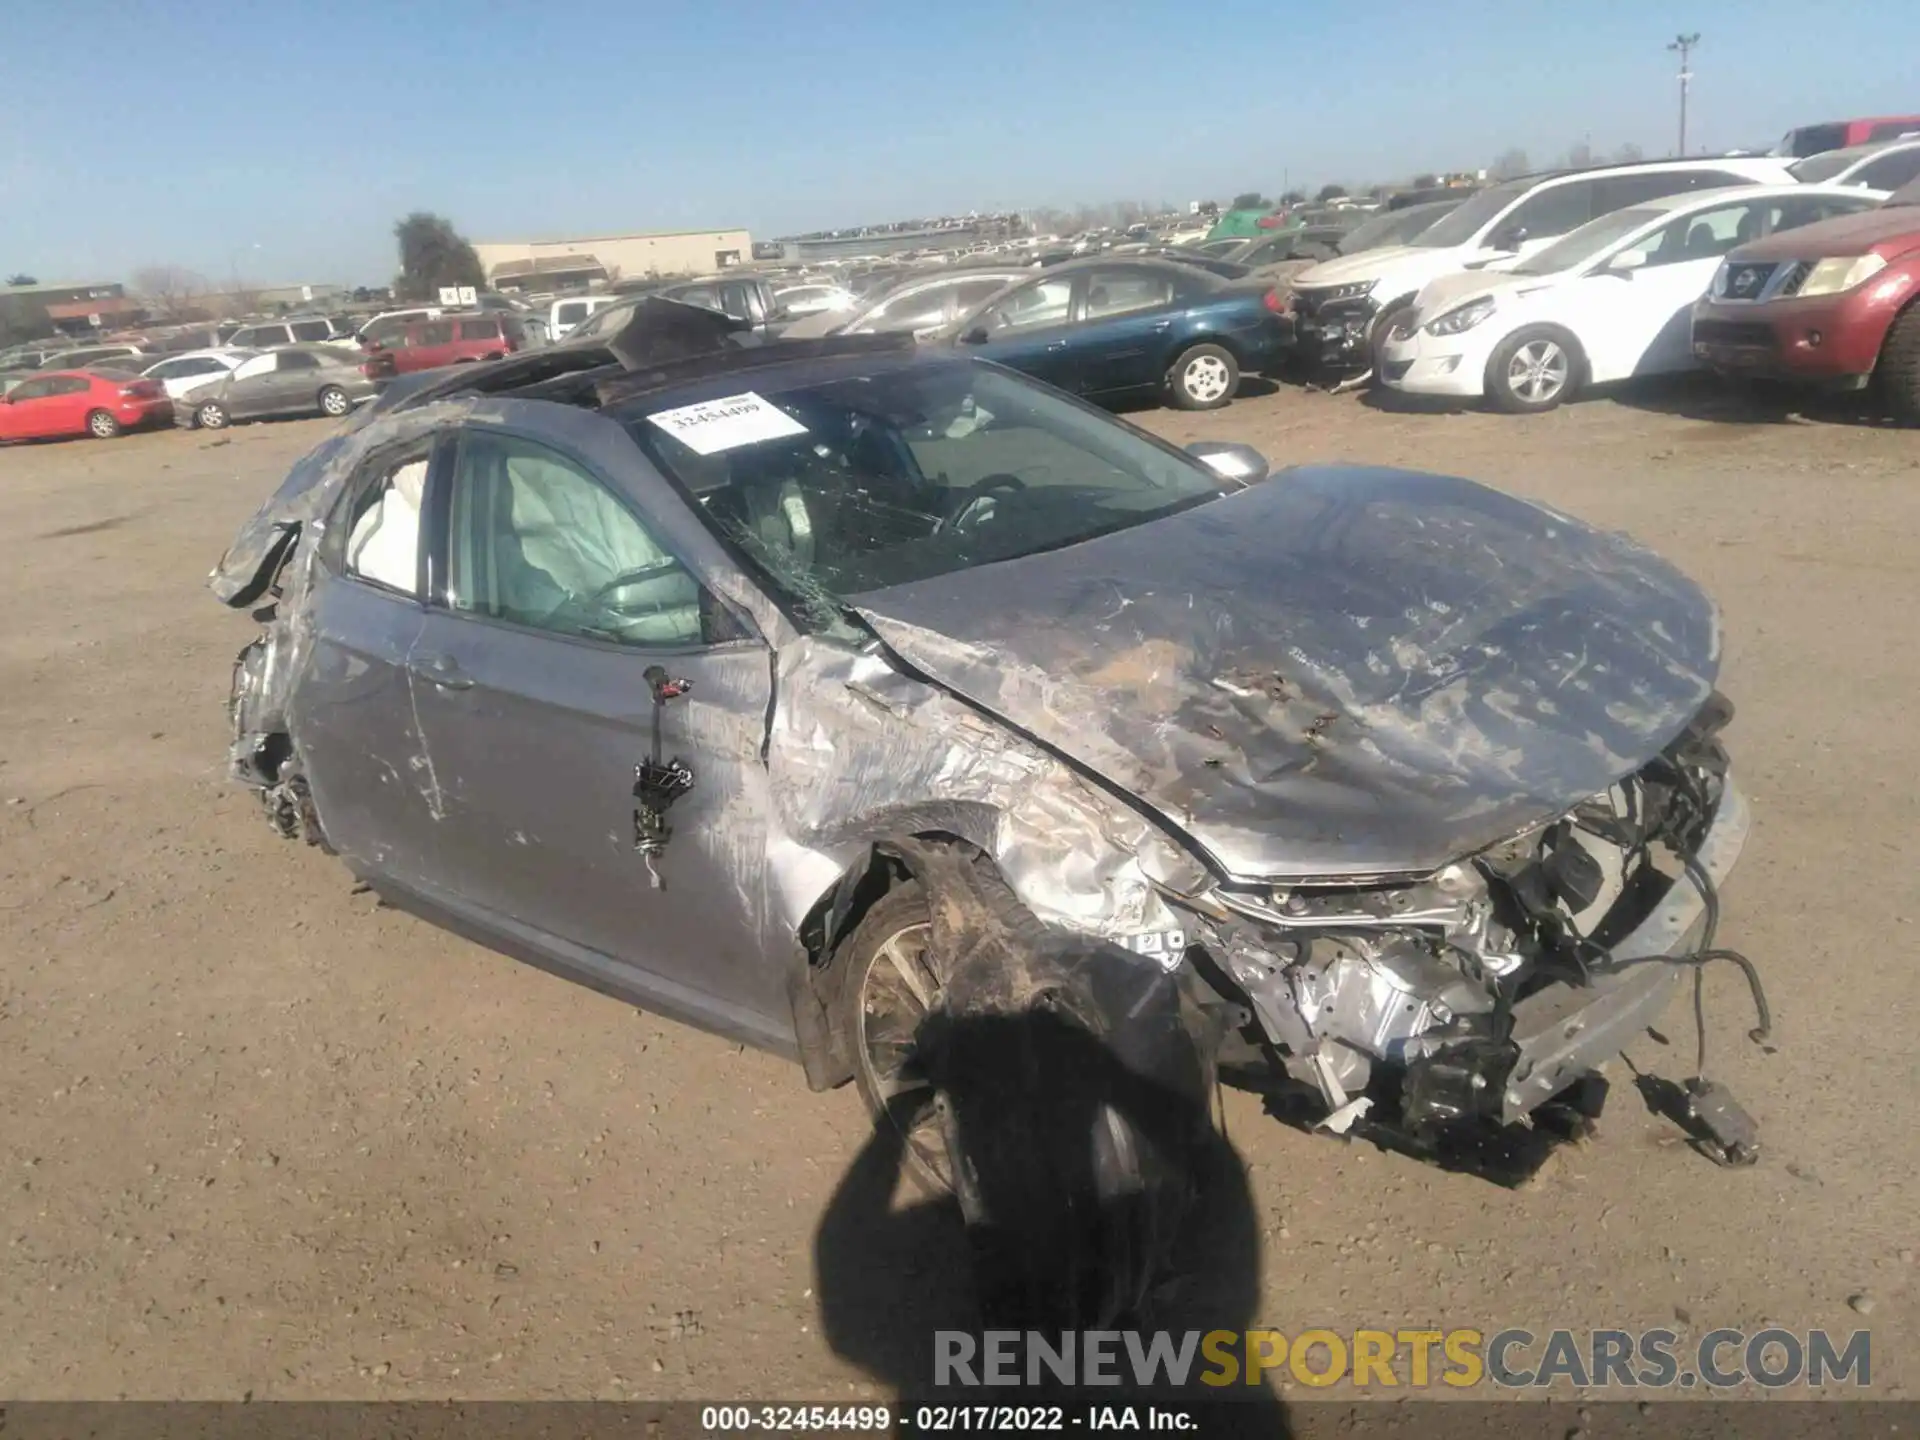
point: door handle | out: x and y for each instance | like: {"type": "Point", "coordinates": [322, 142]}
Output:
{"type": "Point", "coordinates": [1162, 326]}
{"type": "Point", "coordinates": [441, 670]}
{"type": "Point", "coordinates": [1056, 345]}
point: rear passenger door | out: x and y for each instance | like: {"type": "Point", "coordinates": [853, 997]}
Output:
{"type": "Point", "coordinates": [1647, 329]}
{"type": "Point", "coordinates": [1126, 320]}
{"type": "Point", "coordinates": [352, 707]}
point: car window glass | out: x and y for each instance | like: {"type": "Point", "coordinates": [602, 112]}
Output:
{"type": "Point", "coordinates": [733, 300]}
{"type": "Point", "coordinates": [311, 330]}
{"type": "Point", "coordinates": [1119, 292]}
{"type": "Point", "coordinates": [383, 530]}
{"type": "Point", "coordinates": [970, 293]}
{"type": "Point", "coordinates": [31, 390]}
{"type": "Point", "coordinates": [1550, 213]}
{"type": "Point", "coordinates": [698, 295]}
{"type": "Point", "coordinates": [1042, 303]}
{"type": "Point", "coordinates": [1890, 172]}
{"type": "Point", "coordinates": [911, 311]}
{"type": "Point", "coordinates": [1704, 235]}
{"type": "Point", "coordinates": [479, 330]}
{"type": "Point", "coordinates": [571, 312]}
{"type": "Point", "coordinates": [298, 360]}
{"type": "Point", "coordinates": [72, 385]}
{"type": "Point", "coordinates": [535, 540]}
{"type": "Point", "coordinates": [252, 369]}
{"type": "Point", "coordinates": [435, 332]}
{"type": "Point", "coordinates": [1893, 130]}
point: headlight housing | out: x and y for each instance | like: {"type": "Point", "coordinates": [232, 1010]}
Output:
{"type": "Point", "coordinates": [1352, 291]}
{"type": "Point", "coordinates": [1840, 272]}
{"type": "Point", "coordinates": [1462, 317]}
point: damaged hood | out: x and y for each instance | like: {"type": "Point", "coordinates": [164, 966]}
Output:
{"type": "Point", "coordinates": [1342, 672]}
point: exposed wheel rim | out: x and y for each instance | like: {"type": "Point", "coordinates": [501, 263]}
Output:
{"type": "Point", "coordinates": [1538, 371]}
{"type": "Point", "coordinates": [334, 402]}
{"type": "Point", "coordinates": [1206, 377]}
{"type": "Point", "coordinates": [896, 995]}
{"type": "Point", "coordinates": [103, 426]}
{"type": "Point", "coordinates": [212, 417]}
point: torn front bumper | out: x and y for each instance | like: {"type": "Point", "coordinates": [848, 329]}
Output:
{"type": "Point", "coordinates": [1566, 1031]}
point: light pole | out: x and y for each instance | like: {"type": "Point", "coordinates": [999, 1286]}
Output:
{"type": "Point", "coordinates": [1683, 46]}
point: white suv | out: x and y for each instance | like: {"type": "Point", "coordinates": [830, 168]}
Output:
{"type": "Point", "coordinates": [1344, 308]}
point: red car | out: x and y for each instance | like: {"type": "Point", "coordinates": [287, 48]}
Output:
{"type": "Point", "coordinates": [450, 340]}
{"type": "Point", "coordinates": [1835, 303]}
{"type": "Point", "coordinates": [100, 403]}
{"type": "Point", "coordinates": [1842, 134]}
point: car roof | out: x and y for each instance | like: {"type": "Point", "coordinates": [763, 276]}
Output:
{"type": "Point", "coordinates": [1689, 199]}
{"type": "Point", "coordinates": [1775, 163]}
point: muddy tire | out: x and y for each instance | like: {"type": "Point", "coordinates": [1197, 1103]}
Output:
{"type": "Point", "coordinates": [1204, 377]}
{"type": "Point", "coordinates": [1071, 1205]}
{"type": "Point", "coordinates": [1900, 367]}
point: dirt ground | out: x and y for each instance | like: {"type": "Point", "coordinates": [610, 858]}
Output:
{"type": "Point", "coordinates": [263, 1137]}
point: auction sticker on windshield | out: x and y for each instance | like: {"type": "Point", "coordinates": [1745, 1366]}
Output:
{"type": "Point", "coordinates": [726, 424]}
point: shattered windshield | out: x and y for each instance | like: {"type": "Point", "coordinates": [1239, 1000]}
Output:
{"type": "Point", "coordinates": [860, 483]}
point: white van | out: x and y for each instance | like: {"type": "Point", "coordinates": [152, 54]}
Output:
{"type": "Point", "coordinates": [569, 312]}
{"type": "Point", "coordinates": [1344, 308]}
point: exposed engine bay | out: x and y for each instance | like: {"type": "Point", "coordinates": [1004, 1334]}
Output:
{"type": "Point", "coordinates": [1407, 1010]}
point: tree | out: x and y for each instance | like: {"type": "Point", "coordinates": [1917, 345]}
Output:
{"type": "Point", "coordinates": [169, 287]}
{"type": "Point", "coordinates": [1509, 164]}
{"type": "Point", "coordinates": [1294, 197]}
{"type": "Point", "coordinates": [1629, 154]}
{"type": "Point", "coordinates": [1249, 200]}
{"type": "Point", "coordinates": [1580, 156]}
{"type": "Point", "coordinates": [1425, 181]}
{"type": "Point", "coordinates": [22, 279]}
{"type": "Point", "coordinates": [1331, 192]}
{"type": "Point", "coordinates": [433, 254]}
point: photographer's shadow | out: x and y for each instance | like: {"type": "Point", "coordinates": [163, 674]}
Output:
{"type": "Point", "coordinates": [888, 1278]}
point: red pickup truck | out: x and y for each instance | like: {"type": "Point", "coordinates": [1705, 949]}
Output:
{"type": "Point", "coordinates": [1835, 303]}
{"type": "Point", "coordinates": [448, 340]}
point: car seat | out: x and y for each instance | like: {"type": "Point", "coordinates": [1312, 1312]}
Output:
{"type": "Point", "coordinates": [384, 544]}
{"type": "Point", "coordinates": [1702, 243]}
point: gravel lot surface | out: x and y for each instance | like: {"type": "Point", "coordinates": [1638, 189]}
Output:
{"type": "Point", "coordinates": [262, 1136]}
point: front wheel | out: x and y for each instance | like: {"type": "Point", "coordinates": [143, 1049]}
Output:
{"type": "Point", "coordinates": [334, 402]}
{"type": "Point", "coordinates": [1900, 366]}
{"type": "Point", "coordinates": [1203, 378]}
{"type": "Point", "coordinates": [1072, 1185]}
{"type": "Point", "coordinates": [102, 426]}
{"type": "Point", "coordinates": [211, 415]}
{"type": "Point", "coordinates": [1533, 370]}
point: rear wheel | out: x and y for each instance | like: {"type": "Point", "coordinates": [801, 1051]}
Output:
{"type": "Point", "coordinates": [1203, 378]}
{"type": "Point", "coordinates": [102, 426]}
{"type": "Point", "coordinates": [211, 415]}
{"type": "Point", "coordinates": [1534, 369]}
{"type": "Point", "coordinates": [1071, 1204]}
{"type": "Point", "coordinates": [1900, 366]}
{"type": "Point", "coordinates": [334, 401]}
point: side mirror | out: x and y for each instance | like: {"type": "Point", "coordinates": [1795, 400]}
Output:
{"type": "Point", "coordinates": [1230, 461]}
{"type": "Point", "coordinates": [1626, 262]}
{"type": "Point", "coordinates": [976, 336]}
{"type": "Point", "coordinates": [1511, 238]}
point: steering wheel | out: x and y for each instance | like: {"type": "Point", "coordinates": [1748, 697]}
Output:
{"type": "Point", "coordinates": [958, 512]}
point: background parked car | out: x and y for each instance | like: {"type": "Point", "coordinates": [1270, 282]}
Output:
{"type": "Point", "coordinates": [1344, 308]}
{"type": "Point", "coordinates": [1835, 304]}
{"type": "Point", "coordinates": [564, 315]}
{"type": "Point", "coordinates": [744, 297]}
{"type": "Point", "coordinates": [97, 402]}
{"type": "Point", "coordinates": [295, 380]}
{"type": "Point", "coordinates": [180, 374]}
{"type": "Point", "coordinates": [119, 357]}
{"type": "Point", "coordinates": [450, 340]}
{"type": "Point", "coordinates": [925, 305]}
{"type": "Point", "coordinates": [800, 300]}
{"type": "Point", "coordinates": [1612, 300]}
{"type": "Point", "coordinates": [1839, 134]}
{"type": "Point", "coordinates": [298, 330]}
{"type": "Point", "coordinates": [1109, 328]}
{"type": "Point", "coordinates": [388, 323]}
{"type": "Point", "coordinates": [1885, 166]}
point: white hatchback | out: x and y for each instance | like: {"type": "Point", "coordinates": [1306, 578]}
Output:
{"type": "Point", "coordinates": [1611, 300]}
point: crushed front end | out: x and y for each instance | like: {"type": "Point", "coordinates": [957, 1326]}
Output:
{"type": "Point", "coordinates": [1476, 995]}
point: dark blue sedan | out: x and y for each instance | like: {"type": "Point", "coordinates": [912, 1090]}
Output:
{"type": "Point", "coordinates": [1114, 329]}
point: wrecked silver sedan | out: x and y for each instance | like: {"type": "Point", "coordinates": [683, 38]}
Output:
{"type": "Point", "coordinates": [811, 691]}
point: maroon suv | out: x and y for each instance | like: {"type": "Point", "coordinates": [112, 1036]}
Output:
{"type": "Point", "coordinates": [1836, 303]}
{"type": "Point", "coordinates": [450, 340]}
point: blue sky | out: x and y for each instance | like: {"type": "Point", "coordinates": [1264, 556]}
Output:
{"type": "Point", "coordinates": [283, 139]}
